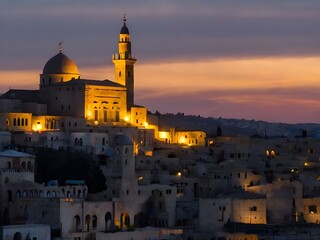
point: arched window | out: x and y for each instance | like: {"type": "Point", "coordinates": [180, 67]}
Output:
{"type": "Point", "coordinates": [24, 194]}
{"type": "Point", "coordinates": [30, 193]}
{"type": "Point", "coordinates": [29, 166]}
{"type": "Point", "coordinates": [14, 122]}
{"type": "Point", "coordinates": [76, 223]}
{"type": "Point", "coordinates": [53, 195]}
{"type": "Point", "coordinates": [125, 220]}
{"type": "Point", "coordinates": [119, 73]}
{"type": "Point", "coordinates": [18, 194]}
{"type": "Point", "coordinates": [76, 141]}
{"type": "Point", "coordinates": [108, 222]}
{"type": "Point", "coordinates": [48, 195]}
{"type": "Point", "coordinates": [79, 194]}
{"type": "Point", "coordinates": [8, 164]}
{"type": "Point", "coordinates": [23, 165]}
{"type": "Point", "coordinates": [103, 141]}
{"type": "Point", "coordinates": [87, 223]}
{"type": "Point", "coordinates": [80, 141]}
{"type": "Point", "coordinates": [40, 193]}
{"type": "Point", "coordinates": [17, 236]}
{"type": "Point", "coordinates": [94, 221]}
{"type": "Point", "coordinates": [26, 121]}
{"type": "Point", "coordinates": [22, 121]}
{"type": "Point", "coordinates": [18, 122]}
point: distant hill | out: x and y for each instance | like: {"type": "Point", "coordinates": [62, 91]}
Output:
{"type": "Point", "coordinates": [236, 127]}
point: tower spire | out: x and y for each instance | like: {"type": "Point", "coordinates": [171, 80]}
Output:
{"type": "Point", "coordinates": [124, 63]}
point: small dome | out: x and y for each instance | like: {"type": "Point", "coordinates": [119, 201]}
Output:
{"type": "Point", "coordinates": [60, 64]}
{"type": "Point", "coordinates": [124, 29]}
{"type": "Point", "coordinates": [122, 139]}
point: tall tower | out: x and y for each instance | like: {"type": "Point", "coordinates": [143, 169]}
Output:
{"type": "Point", "coordinates": [124, 62]}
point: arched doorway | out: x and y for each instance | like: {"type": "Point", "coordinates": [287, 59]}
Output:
{"type": "Point", "coordinates": [76, 223]}
{"type": "Point", "coordinates": [108, 222]}
{"type": "Point", "coordinates": [87, 223]}
{"type": "Point", "coordinates": [17, 236]}
{"type": "Point", "coordinates": [94, 222]}
{"type": "Point", "coordinates": [124, 221]}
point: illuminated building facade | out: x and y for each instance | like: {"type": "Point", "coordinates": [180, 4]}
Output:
{"type": "Point", "coordinates": [64, 94]}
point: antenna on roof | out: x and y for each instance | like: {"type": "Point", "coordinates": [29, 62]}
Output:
{"type": "Point", "coordinates": [60, 46]}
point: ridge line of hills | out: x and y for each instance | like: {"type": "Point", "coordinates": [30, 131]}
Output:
{"type": "Point", "coordinates": [237, 127]}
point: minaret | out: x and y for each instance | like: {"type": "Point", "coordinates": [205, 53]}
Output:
{"type": "Point", "coordinates": [123, 62]}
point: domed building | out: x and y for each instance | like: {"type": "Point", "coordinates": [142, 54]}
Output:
{"type": "Point", "coordinates": [65, 99]}
{"type": "Point", "coordinates": [59, 68]}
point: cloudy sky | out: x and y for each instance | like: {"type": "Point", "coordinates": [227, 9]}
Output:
{"type": "Point", "coordinates": [233, 59]}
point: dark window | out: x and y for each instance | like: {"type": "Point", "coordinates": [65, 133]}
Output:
{"type": "Point", "coordinates": [312, 208]}
{"type": "Point", "coordinates": [253, 209]}
{"type": "Point", "coordinates": [96, 115]}
{"type": "Point", "coordinates": [117, 116]}
{"type": "Point", "coordinates": [105, 116]}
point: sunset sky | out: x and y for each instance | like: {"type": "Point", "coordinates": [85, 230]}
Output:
{"type": "Point", "coordinates": [233, 59]}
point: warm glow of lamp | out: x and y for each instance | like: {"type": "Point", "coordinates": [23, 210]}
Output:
{"type": "Point", "coordinates": [163, 135]}
{"type": "Point", "coordinates": [89, 113]}
{"type": "Point", "coordinates": [37, 127]}
{"type": "Point", "coordinates": [95, 122]}
{"type": "Point", "coordinates": [148, 153]}
{"type": "Point", "coordinates": [179, 174]}
{"type": "Point", "coordinates": [146, 125]}
{"type": "Point", "coordinates": [140, 178]}
{"type": "Point", "coordinates": [267, 153]}
{"type": "Point", "coordinates": [306, 164]}
{"type": "Point", "coordinates": [69, 199]}
{"type": "Point", "coordinates": [126, 118]}
{"type": "Point", "coordinates": [182, 140]}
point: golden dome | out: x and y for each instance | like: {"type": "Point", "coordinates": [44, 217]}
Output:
{"type": "Point", "coordinates": [60, 64]}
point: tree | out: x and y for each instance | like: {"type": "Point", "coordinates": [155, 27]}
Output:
{"type": "Point", "coordinates": [219, 131]}
{"type": "Point", "coordinates": [63, 164]}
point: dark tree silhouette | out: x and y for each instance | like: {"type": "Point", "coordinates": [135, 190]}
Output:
{"type": "Point", "coordinates": [63, 164]}
{"type": "Point", "coordinates": [219, 131]}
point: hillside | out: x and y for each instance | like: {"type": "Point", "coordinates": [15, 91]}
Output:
{"type": "Point", "coordinates": [236, 127]}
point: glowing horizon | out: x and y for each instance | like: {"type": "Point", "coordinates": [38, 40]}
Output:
{"type": "Point", "coordinates": [276, 89]}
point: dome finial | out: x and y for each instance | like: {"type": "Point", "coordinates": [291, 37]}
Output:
{"type": "Point", "coordinates": [60, 46]}
{"type": "Point", "coordinates": [124, 18]}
